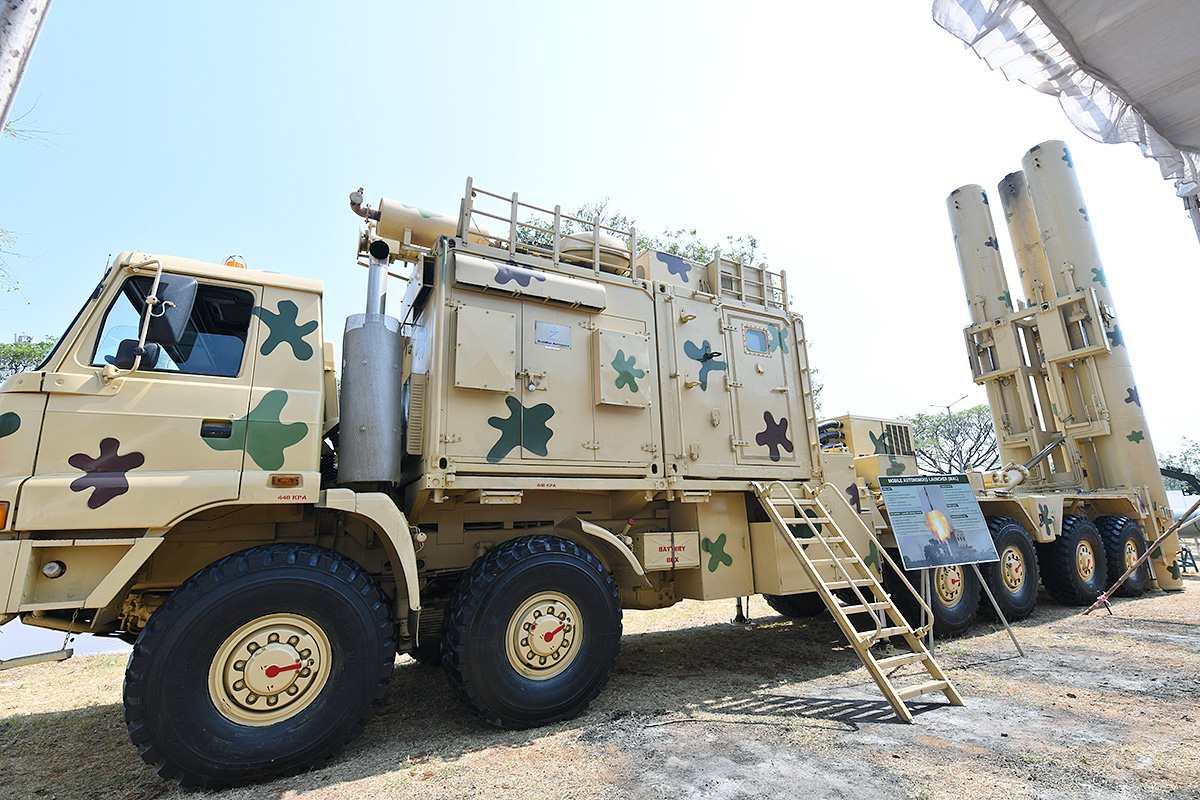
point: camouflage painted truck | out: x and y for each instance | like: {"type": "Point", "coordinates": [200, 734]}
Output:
{"type": "Point", "coordinates": [551, 428]}
{"type": "Point", "coordinates": [1080, 494]}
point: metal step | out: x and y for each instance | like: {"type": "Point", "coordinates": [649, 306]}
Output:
{"type": "Point", "coordinates": [39, 658]}
{"type": "Point", "coordinates": [891, 662]}
{"type": "Point", "coordinates": [858, 608]}
{"type": "Point", "coordinates": [918, 689]}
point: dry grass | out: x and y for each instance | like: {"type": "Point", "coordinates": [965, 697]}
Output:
{"type": "Point", "coordinates": [1101, 707]}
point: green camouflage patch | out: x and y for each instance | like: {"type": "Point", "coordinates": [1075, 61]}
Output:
{"type": "Point", "coordinates": [262, 433]}
{"type": "Point", "coordinates": [716, 551]}
{"type": "Point", "coordinates": [285, 330]}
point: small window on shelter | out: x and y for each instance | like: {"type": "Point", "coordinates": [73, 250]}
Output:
{"type": "Point", "coordinates": [756, 340]}
{"type": "Point", "coordinates": [214, 340]}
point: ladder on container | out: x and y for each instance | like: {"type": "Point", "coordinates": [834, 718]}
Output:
{"type": "Point", "coordinates": [809, 529]}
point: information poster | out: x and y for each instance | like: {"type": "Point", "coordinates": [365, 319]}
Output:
{"type": "Point", "coordinates": [937, 521]}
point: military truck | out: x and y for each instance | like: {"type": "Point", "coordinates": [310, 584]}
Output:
{"type": "Point", "coordinates": [554, 425]}
{"type": "Point", "coordinates": [1080, 493]}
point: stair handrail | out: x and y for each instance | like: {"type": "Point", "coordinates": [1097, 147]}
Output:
{"type": "Point", "coordinates": [782, 527]}
{"type": "Point", "coordinates": [924, 629]}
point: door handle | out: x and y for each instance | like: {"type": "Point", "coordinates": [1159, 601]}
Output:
{"type": "Point", "coordinates": [216, 429]}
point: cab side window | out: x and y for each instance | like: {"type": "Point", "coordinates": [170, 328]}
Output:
{"type": "Point", "coordinates": [213, 343]}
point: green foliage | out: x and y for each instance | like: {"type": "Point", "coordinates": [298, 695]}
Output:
{"type": "Point", "coordinates": [683, 242]}
{"type": "Point", "coordinates": [7, 240]}
{"type": "Point", "coordinates": [948, 445]}
{"type": "Point", "coordinates": [24, 356]}
{"type": "Point", "coordinates": [1187, 460]}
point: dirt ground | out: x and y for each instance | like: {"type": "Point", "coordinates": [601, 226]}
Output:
{"type": "Point", "coordinates": [1100, 707]}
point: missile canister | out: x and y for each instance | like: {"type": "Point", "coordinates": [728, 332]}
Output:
{"type": "Point", "coordinates": [1125, 455]}
{"type": "Point", "coordinates": [978, 253]}
{"type": "Point", "coordinates": [1027, 244]}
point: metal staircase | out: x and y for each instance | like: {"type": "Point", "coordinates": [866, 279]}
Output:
{"type": "Point", "coordinates": [821, 547]}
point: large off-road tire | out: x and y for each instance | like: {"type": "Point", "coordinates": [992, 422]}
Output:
{"type": "Point", "coordinates": [1074, 567]}
{"type": "Point", "coordinates": [796, 606]}
{"type": "Point", "coordinates": [532, 632]}
{"type": "Point", "coordinates": [955, 597]}
{"type": "Point", "coordinates": [263, 664]}
{"type": "Point", "coordinates": [1014, 578]}
{"type": "Point", "coordinates": [1124, 544]}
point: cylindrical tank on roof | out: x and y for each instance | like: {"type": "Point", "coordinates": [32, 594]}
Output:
{"type": "Point", "coordinates": [614, 251]}
{"type": "Point", "coordinates": [978, 253]}
{"type": "Point", "coordinates": [426, 226]}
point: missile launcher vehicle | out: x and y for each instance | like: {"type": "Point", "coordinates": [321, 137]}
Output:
{"type": "Point", "coordinates": [553, 425]}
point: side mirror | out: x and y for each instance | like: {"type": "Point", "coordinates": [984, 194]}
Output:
{"type": "Point", "coordinates": [177, 295]}
{"type": "Point", "coordinates": [127, 351]}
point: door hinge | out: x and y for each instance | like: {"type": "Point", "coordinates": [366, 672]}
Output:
{"type": "Point", "coordinates": [650, 448]}
{"type": "Point", "coordinates": [591, 445]}
{"type": "Point", "coordinates": [449, 438]}
{"type": "Point", "coordinates": [735, 443]}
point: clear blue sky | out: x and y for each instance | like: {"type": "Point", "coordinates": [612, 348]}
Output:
{"type": "Point", "coordinates": [206, 129]}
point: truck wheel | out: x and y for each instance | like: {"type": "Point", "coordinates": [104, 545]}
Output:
{"type": "Point", "coordinates": [1074, 567]}
{"type": "Point", "coordinates": [1123, 545]}
{"type": "Point", "coordinates": [796, 606]}
{"type": "Point", "coordinates": [954, 602]}
{"type": "Point", "coordinates": [1014, 578]}
{"type": "Point", "coordinates": [532, 632]}
{"type": "Point", "coordinates": [263, 664]}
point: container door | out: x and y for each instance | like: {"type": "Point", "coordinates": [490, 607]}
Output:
{"type": "Point", "coordinates": [765, 386]}
{"type": "Point", "coordinates": [701, 391]}
{"type": "Point", "coordinates": [555, 385]}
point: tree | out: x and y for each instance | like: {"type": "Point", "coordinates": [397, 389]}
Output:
{"type": "Point", "coordinates": [682, 242]}
{"type": "Point", "coordinates": [24, 356]}
{"type": "Point", "coordinates": [965, 440]}
{"type": "Point", "coordinates": [1187, 460]}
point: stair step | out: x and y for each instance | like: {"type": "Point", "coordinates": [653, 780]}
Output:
{"type": "Point", "coordinates": [806, 520]}
{"type": "Point", "coordinates": [899, 661]}
{"type": "Point", "coordinates": [894, 631]}
{"type": "Point", "coordinates": [848, 584]}
{"type": "Point", "coordinates": [842, 561]}
{"type": "Point", "coordinates": [858, 608]}
{"type": "Point", "coordinates": [918, 689]}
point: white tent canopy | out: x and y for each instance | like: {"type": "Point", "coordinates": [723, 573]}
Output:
{"type": "Point", "coordinates": [1123, 70]}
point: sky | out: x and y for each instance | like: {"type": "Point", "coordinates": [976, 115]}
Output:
{"type": "Point", "coordinates": [207, 129]}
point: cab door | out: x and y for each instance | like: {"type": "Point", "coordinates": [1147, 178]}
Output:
{"type": "Point", "coordinates": [147, 447]}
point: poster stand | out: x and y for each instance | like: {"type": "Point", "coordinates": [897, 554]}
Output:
{"type": "Point", "coordinates": [938, 523]}
{"type": "Point", "coordinates": [927, 596]}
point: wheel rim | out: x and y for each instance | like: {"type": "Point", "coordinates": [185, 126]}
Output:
{"type": "Point", "coordinates": [1012, 569]}
{"type": "Point", "coordinates": [1131, 554]}
{"type": "Point", "coordinates": [543, 635]}
{"type": "Point", "coordinates": [1085, 560]}
{"type": "Point", "coordinates": [270, 669]}
{"type": "Point", "coordinates": [949, 584]}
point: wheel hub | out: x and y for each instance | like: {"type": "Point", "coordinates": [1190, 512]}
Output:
{"type": "Point", "coordinates": [269, 669]}
{"type": "Point", "coordinates": [1131, 554]}
{"type": "Point", "coordinates": [949, 584]}
{"type": "Point", "coordinates": [543, 635]}
{"type": "Point", "coordinates": [1085, 560]}
{"type": "Point", "coordinates": [1012, 569]}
